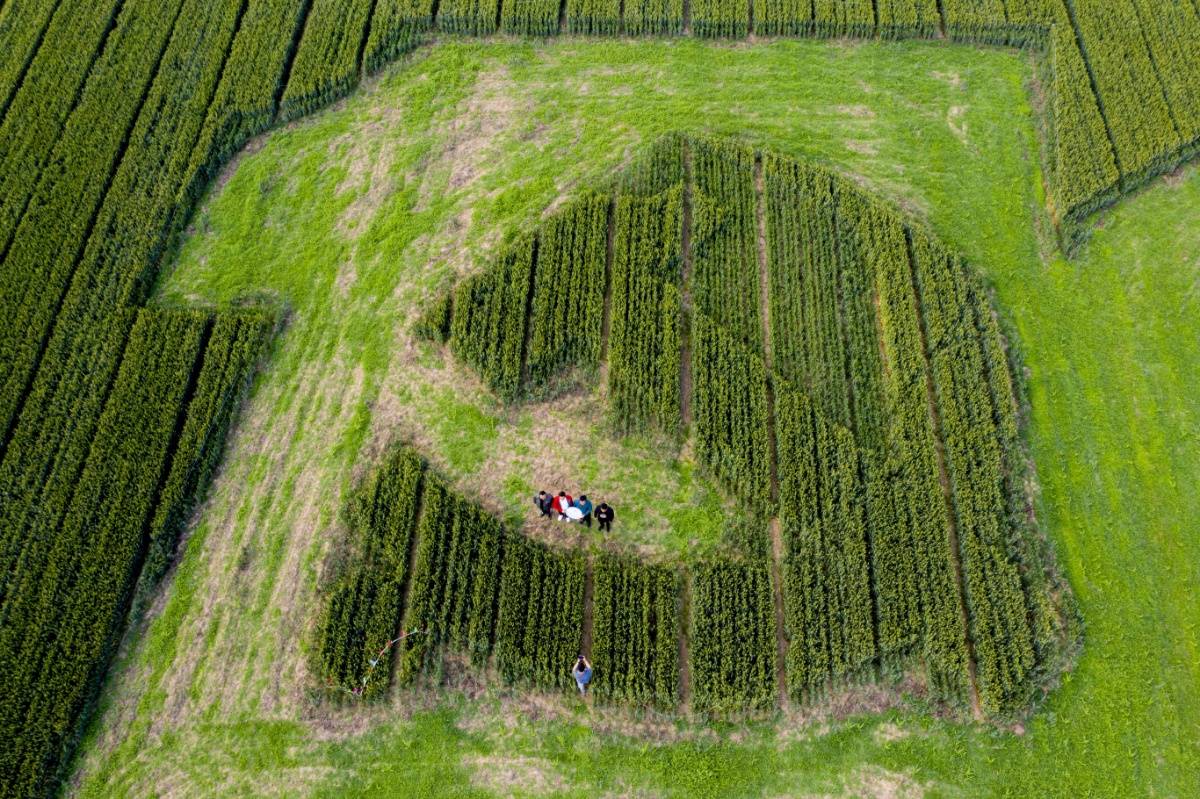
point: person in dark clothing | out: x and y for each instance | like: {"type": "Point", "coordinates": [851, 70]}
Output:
{"type": "Point", "coordinates": [605, 515]}
{"type": "Point", "coordinates": [585, 507]}
{"type": "Point", "coordinates": [543, 502]}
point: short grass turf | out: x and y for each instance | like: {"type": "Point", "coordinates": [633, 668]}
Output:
{"type": "Point", "coordinates": [355, 216]}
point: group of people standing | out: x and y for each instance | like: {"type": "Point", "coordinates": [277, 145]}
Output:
{"type": "Point", "coordinates": [567, 508]}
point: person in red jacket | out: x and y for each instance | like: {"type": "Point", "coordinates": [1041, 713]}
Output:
{"type": "Point", "coordinates": [561, 503]}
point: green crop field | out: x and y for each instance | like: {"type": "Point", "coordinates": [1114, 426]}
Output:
{"type": "Point", "coordinates": [882, 347]}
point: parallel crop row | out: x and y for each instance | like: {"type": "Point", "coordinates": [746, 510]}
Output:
{"type": "Point", "coordinates": [899, 19]}
{"type": "Point", "coordinates": [64, 607]}
{"type": "Point", "coordinates": [327, 62]}
{"type": "Point", "coordinates": [645, 337]}
{"type": "Point", "coordinates": [900, 482]}
{"type": "Point", "coordinates": [653, 17]}
{"type": "Point", "coordinates": [1131, 96]}
{"type": "Point", "coordinates": [843, 17]}
{"type": "Point", "coordinates": [366, 603]}
{"type": "Point", "coordinates": [490, 316]}
{"type": "Point", "coordinates": [53, 81]}
{"type": "Point", "coordinates": [720, 18]}
{"type": "Point", "coordinates": [477, 17]}
{"type": "Point", "coordinates": [540, 614]}
{"type": "Point", "coordinates": [62, 407]}
{"type": "Point", "coordinates": [596, 17]}
{"type": "Point", "coordinates": [996, 599]}
{"type": "Point", "coordinates": [532, 17]}
{"type": "Point", "coordinates": [244, 103]}
{"type": "Point", "coordinates": [909, 514]}
{"type": "Point", "coordinates": [474, 588]}
{"type": "Point", "coordinates": [804, 270]}
{"type": "Point", "coordinates": [455, 579]}
{"type": "Point", "coordinates": [567, 310]}
{"type": "Point", "coordinates": [732, 637]}
{"type": "Point", "coordinates": [234, 346]}
{"type": "Point", "coordinates": [535, 317]}
{"type": "Point", "coordinates": [21, 34]}
{"type": "Point", "coordinates": [724, 235]}
{"type": "Point", "coordinates": [828, 593]}
{"type": "Point", "coordinates": [396, 27]}
{"type": "Point", "coordinates": [50, 235]}
{"type": "Point", "coordinates": [729, 408]}
{"type": "Point", "coordinates": [635, 633]}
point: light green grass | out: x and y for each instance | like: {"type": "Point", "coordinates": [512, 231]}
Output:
{"type": "Point", "coordinates": [212, 698]}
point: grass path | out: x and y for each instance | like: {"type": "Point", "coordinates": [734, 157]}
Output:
{"type": "Point", "coordinates": [356, 216]}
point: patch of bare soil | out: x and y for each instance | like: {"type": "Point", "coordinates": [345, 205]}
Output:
{"type": "Point", "coordinates": [862, 147]}
{"type": "Point", "coordinates": [953, 79]}
{"type": "Point", "coordinates": [875, 782]}
{"type": "Point", "coordinates": [956, 119]}
{"type": "Point", "coordinates": [856, 111]}
{"type": "Point", "coordinates": [510, 776]}
{"type": "Point", "coordinates": [816, 717]}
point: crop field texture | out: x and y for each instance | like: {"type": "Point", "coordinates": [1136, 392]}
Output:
{"type": "Point", "coordinates": [895, 531]}
{"type": "Point", "coordinates": [117, 116]}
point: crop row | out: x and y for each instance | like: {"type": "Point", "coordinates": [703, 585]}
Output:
{"type": "Point", "coordinates": [827, 597]}
{"type": "Point", "coordinates": [732, 637]}
{"type": "Point", "coordinates": [635, 631]}
{"type": "Point", "coordinates": [328, 58]}
{"type": "Point", "coordinates": [540, 614]}
{"type": "Point", "coordinates": [53, 81]}
{"type": "Point", "coordinates": [645, 338]}
{"type": "Point", "coordinates": [455, 580]}
{"type": "Point", "coordinates": [365, 604]}
{"type": "Point", "coordinates": [396, 27]}
{"type": "Point", "coordinates": [890, 483]}
{"type": "Point", "coordinates": [725, 281]}
{"type": "Point", "coordinates": [995, 594]}
{"type": "Point", "coordinates": [535, 317]}
{"type": "Point", "coordinates": [48, 239]}
{"type": "Point", "coordinates": [919, 528]}
{"type": "Point", "coordinates": [20, 38]}
{"type": "Point", "coordinates": [491, 317]}
{"type": "Point", "coordinates": [567, 309]}
{"type": "Point", "coordinates": [730, 410]}
{"type": "Point", "coordinates": [474, 588]}
{"type": "Point", "coordinates": [67, 588]}
{"type": "Point", "coordinates": [805, 269]}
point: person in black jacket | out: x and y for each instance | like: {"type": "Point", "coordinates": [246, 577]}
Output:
{"type": "Point", "coordinates": [543, 501]}
{"type": "Point", "coordinates": [605, 516]}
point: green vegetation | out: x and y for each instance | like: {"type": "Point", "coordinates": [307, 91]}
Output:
{"type": "Point", "coordinates": [732, 636]}
{"type": "Point", "coordinates": [1121, 724]}
{"type": "Point", "coordinates": [916, 352]}
{"type": "Point", "coordinates": [65, 596]}
{"type": "Point", "coordinates": [635, 646]}
{"type": "Point", "coordinates": [365, 604]}
{"type": "Point", "coordinates": [102, 214]}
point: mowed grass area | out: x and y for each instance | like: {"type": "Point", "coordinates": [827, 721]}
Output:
{"type": "Point", "coordinates": [354, 217]}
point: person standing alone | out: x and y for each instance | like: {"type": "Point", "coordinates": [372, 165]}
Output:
{"type": "Point", "coordinates": [605, 515]}
{"type": "Point", "coordinates": [582, 672]}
